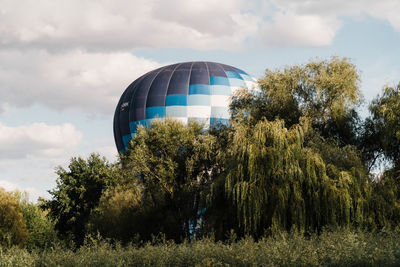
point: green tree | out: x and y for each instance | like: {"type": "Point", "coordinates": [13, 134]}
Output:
{"type": "Point", "coordinates": [383, 127]}
{"type": "Point", "coordinates": [40, 228]}
{"type": "Point", "coordinates": [304, 170]}
{"type": "Point", "coordinates": [12, 224]}
{"type": "Point", "coordinates": [384, 203]}
{"type": "Point", "coordinates": [276, 182]}
{"type": "Point", "coordinates": [121, 213]}
{"type": "Point", "coordinates": [381, 143]}
{"type": "Point", "coordinates": [327, 92]}
{"type": "Point", "coordinates": [77, 193]}
{"type": "Point", "coordinates": [167, 168]}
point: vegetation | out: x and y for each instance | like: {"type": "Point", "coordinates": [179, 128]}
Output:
{"type": "Point", "coordinates": [12, 224]}
{"type": "Point", "coordinates": [296, 160]}
{"type": "Point", "coordinates": [77, 194]}
{"type": "Point", "coordinates": [41, 230]}
{"type": "Point", "coordinates": [164, 174]}
{"type": "Point", "coordinates": [338, 248]}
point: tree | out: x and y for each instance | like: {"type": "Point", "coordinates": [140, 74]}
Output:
{"type": "Point", "coordinates": [12, 224]}
{"type": "Point", "coordinates": [167, 168]}
{"type": "Point", "coordinates": [381, 142]}
{"type": "Point", "coordinates": [121, 213]}
{"type": "Point", "coordinates": [294, 159]}
{"type": "Point", "coordinates": [77, 193]}
{"type": "Point", "coordinates": [382, 134]}
{"type": "Point", "coordinates": [40, 228]}
{"type": "Point", "coordinates": [384, 203]}
{"type": "Point", "coordinates": [327, 92]}
{"type": "Point", "coordinates": [277, 183]}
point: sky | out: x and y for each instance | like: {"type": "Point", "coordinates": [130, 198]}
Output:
{"type": "Point", "coordinates": [65, 63]}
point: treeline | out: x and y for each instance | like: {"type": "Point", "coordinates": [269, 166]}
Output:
{"type": "Point", "coordinates": [296, 156]}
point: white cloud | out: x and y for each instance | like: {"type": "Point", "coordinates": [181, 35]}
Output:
{"type": "Point", "coordinates": [92, 82]}
{"type": "Point", "coordinates": [290, 29]}
{"type": "Point", "coordinates": [76, 54]}
{"type": "Point", "coordinates": [315, 23]}
{"type": "Point", "coordinates": [383, 9]}
{"type": "Point", "coordinates": [122, 24]}
{"type": "Point", "coordinates": [37, 139]}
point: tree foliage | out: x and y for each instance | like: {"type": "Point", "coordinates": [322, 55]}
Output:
{"type": "Point", "coordinates": [381, 143]}
{"type": "Point", "coordinates": [77, 193]}
{"type": "Point", "coordinates": [325, 91]}
{"type": "Point", "coordinates": [121, 213]}
{"type": "Point", "coordinates": [295, 161]}
{"type": "Point", "coordinates": [12, 224]}
{"type": "Point", "coordinates": [42, 233]}
{"type": "Point", "coordinates": [166, 169]}
{"type": "Point", "coordinates": [382, 132]}
{"type": "Point", "coordinates": [277, 183]}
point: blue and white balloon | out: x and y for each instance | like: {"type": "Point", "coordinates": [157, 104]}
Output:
{"type": "Point", "coordinates": [184, 91]}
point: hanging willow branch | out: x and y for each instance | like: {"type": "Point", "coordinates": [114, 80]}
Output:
{"type": "Point", "coordinates": [275, 182]}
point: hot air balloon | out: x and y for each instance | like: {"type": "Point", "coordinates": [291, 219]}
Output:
{"type": "Point", "coordinates": [183, 91]}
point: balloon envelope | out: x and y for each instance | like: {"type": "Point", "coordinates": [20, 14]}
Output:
{"type": "Point", "coordinates": [183, 91]}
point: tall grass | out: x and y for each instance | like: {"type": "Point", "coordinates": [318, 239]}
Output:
{"type": "Point", "coordinates": [331, 248]}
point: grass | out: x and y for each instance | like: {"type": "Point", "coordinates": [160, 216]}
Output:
{"type": "Point", "coordinates": [331, 248]}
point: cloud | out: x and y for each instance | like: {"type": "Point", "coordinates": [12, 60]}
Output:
{"type": "Point", "coordinates": [384, 9]}
{"type": "Point", "coordinates": [76, 79]}
{"type": "Point", "coordinates": [315, 23]}
{"type": "Point", "coordinates": [78, 54]}
{"type": "Point", "coordinates": [123, 24]}
{"type": "Point", "coordinates": [290, 29]}
{"type": "Point", "coordinates": [37, 139]}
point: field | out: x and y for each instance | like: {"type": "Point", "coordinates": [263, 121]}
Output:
{"type": "Point", "coordinates": [331, 248]}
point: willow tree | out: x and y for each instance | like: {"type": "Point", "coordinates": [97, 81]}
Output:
{"type": "Point", "coordinates": [275, 182]}
{"type": "Point", "coordinates": [382, 143]}
{"type": "Point", "coordinates": [385, 120]}
{"type": "Point", "coordinates": [304, 170]}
